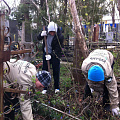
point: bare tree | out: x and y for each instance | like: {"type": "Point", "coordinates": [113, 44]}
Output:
{"type": "Point", "coordinates": [78, 29]}
{"type": "Point", "coordinates": [80, 50]}
{"type": "Point", "coordinates": [119, 6]}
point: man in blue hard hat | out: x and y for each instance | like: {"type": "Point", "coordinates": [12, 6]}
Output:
{"type": "Point", "coordinates": [98, 71]}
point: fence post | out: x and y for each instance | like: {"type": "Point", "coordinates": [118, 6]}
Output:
{"type": "Point", "coordinates": [1, 62]}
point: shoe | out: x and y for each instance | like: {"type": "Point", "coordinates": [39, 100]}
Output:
{"type": "Point", "coordinates": [57, 90]}
{"type": "Point", "coordinates": [44, 91]}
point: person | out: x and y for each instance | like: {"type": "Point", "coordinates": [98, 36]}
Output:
{"type": "Point", "coordinates": [25, 74]}
{"type": "Point", "coordinates": [54, 44]}
{"type": "Point", "coordinates": [98, 71]}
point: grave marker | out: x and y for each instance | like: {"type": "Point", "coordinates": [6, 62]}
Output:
{"type": "Point", "coordinates": [109, 37]}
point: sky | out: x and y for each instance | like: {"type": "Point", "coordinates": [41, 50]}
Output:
{"type": "Point", "coordinates": [11, 3]}
{"type": "Point", "coordinates": [14, 3]}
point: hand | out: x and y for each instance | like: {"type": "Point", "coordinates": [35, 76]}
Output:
{"type": "Point", "coordinates": [115, 111]}
{"type": "Point", "coordinates": [92, 90]}
{"type": "Point", "coordinates": [44, 33]}
{"type": "Point", "coordinates": [48, 57]}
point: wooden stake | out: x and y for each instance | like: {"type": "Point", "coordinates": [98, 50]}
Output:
{"type": "Point", "coordinates": [48, 62]}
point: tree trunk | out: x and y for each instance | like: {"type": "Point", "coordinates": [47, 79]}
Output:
{"type": "Point", "coordinates": [48, 14]}
{"type": "Point", "coordinates": [80, 50]}
{"type": "Point", "coordinates": [78, 29]}
{"type": "Point", "coordinates": [113, 15]}
{"type": "Point", "coordinates": [2, 17]}
{"type": "Point", "coordinates": [118, 7]}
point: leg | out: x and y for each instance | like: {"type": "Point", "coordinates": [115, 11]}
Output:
{"type": "Point", "coordinates": [45, 66]}
{"type": "Point", "coordinates": [106, 102]}
{"type": "Point", "coordinates": [25, 106]}
{"type": "Point", "coordinates": [87, 92]}
{"type": "Point", "coordinates": [56, 71]}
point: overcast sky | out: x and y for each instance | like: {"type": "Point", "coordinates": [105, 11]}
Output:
{"type": "Point", "coordinates": [11, 3]}
{"type": "Point", "coordinates": [14, 3]}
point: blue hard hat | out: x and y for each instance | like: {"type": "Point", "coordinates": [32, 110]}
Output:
{"type": "Point", "coordinates": [96, 73]}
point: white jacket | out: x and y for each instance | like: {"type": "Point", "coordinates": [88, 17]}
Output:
{"type": "Point", "coordinates": [21, 72]}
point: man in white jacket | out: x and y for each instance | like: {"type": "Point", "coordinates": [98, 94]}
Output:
{"type": "Point", "coordinates": [98, 70]}
{"type": "Point", "coordinates": [26, 75]}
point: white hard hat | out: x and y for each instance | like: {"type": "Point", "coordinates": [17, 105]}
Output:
{"type": "Point", "coordinates": [52, 27]}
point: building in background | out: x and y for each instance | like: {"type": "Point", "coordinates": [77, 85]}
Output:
{"type": "Point", "coordinates": [108, 23]}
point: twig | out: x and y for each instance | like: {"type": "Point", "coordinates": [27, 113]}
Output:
{"type": "Point", "coordinates": [68, 91]}
{"type": "Point", "coordinates": [35, 5]}
{"type": "Point", "coordinates": [48, 10]}
{"type": "Point", "coordinates": [60, 111]}
{"type": "Point", "coordinates": [83, 110]}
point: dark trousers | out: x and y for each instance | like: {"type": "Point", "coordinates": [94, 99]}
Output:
{"type": "Point", "coordinates": [106, 102]}
{"type": "Point", "coordinates": [55, 62]}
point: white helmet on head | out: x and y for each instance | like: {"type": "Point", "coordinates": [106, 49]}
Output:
{"type": "Point", "coordinates": [52, 27]}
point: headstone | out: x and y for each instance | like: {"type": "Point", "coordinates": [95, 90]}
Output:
{"type": "Point", "coordinates": [109, 28]}
{"type": "Point", "coordinates": [114, 32]}
{"type": "Point", "coordinates": [13, 30]}
{"type": "Point", "coordinates": [117, 32]}
{"type": "Point", "coordinates": [109, 37]}
{"type": "Point", "coordinates": [96, 33]}
{"type": "Point", "coordinates": [26, 39]}
{"type": "Point", "coordinates": [13, 26]}
{"type": "Point", "coordinates": [26, 32]}
{"type": "Point", "coordinates": [86, 30]}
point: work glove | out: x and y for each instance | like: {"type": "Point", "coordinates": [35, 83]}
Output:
{"type": "Point", "coordinates": [44, 33]}
{"type": "Point", "coordinates": [95, 93]}
{"type": "Point", "coordinates": [48, 57]}
{"type": "Point", "coordinates": [115, 111]}
{"type": "Point", "coordinates": [92, 90]}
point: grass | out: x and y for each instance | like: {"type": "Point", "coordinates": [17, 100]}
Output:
{"type": "Point", "coordinates": [70, 100]}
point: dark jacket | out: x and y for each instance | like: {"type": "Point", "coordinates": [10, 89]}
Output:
{"type": "Point", "coordinates": [57, 43]}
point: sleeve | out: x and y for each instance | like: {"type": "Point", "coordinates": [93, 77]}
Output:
{"type": "Point", "coordinates": [113, 92]}
{"type": "Point", "coordinates": [111, 58]}
{"type": "Point", "coordinates": [39, 37]}
{"type": "Point", "coordinates": [58, 46]}
{"type": "Point", "coordinates": [84, 65]}
{"type": "Point", "coordinates": [6, 71]}
{"type": "Point", "coordinates": [62, 40]}
{"type": "Point", "coordinates": [25, 106]}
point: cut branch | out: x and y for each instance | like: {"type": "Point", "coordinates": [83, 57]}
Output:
{"type": "Point", "coordinates": [61, 111]}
